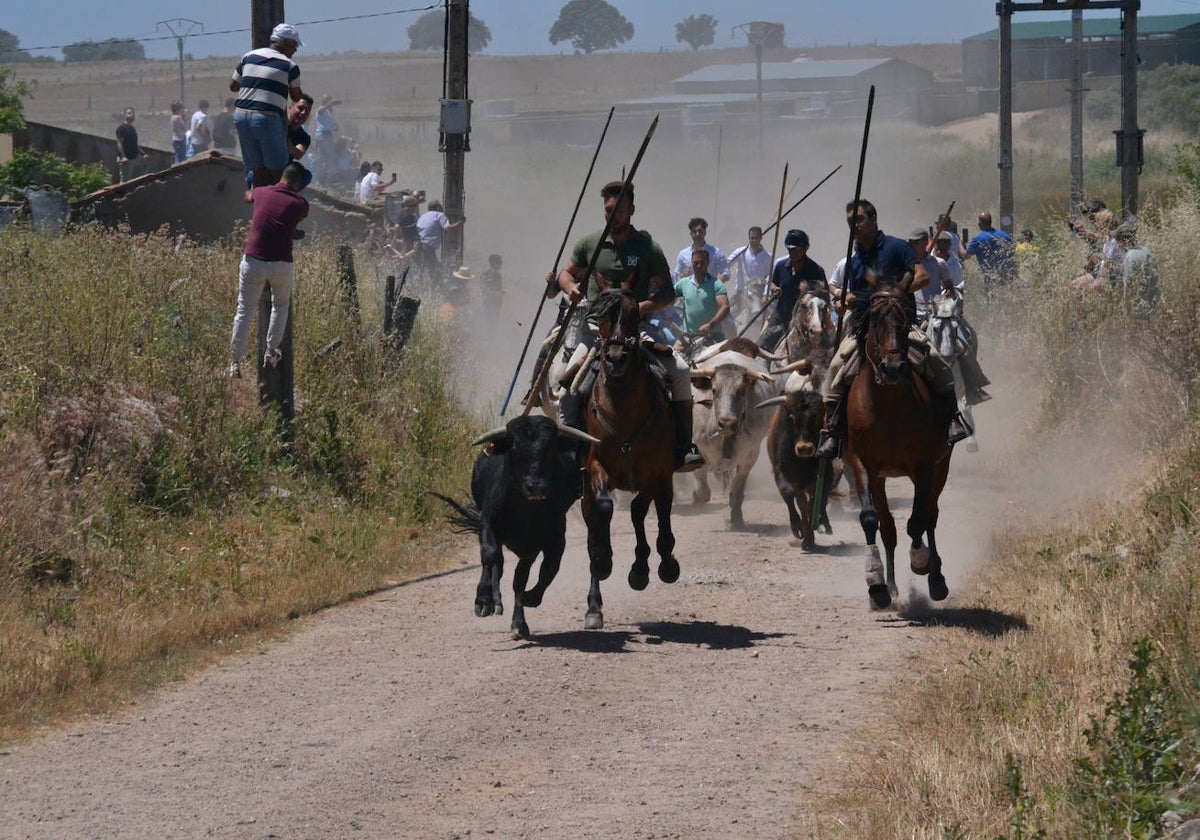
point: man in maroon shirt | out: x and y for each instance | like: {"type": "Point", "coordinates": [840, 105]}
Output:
{"type": "Point", "coordinates": [267, 260]}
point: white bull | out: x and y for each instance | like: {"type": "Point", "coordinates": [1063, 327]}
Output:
{"type": "Point", "coordinates": [728, 428]}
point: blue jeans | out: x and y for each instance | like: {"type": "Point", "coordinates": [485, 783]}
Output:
{"type": "Point", "coordinates": [179, 147]}
{"type": "Point", "coordinates": [263, 139]}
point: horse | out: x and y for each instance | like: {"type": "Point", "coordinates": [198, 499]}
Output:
{"type": "Point", "coordinates": [811, 328]}
{"type": "Point", "coordinates": [891, 431]}
{"type": "Point", "coordinates": [629, 413]}
{"type": "Point", "coordinates": [944, 328]}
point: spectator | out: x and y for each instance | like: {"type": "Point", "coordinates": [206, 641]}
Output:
{"type": "Point", "coordinates": [179, 131]}
{"type": "Point", "coordinates": [263, 80]}
{"type": "Point", "coordinates": [224, 139]}
{"type": "Point", "coordinates": [492, 286]}
{"type": "Point", "coordinates": [431, 227]}
{"type": "Point", "coordinates": [717, 264]}
{"type": "Point", "coordinates": [129, 153]}
{"type": "Point", "coordinates": [298, 138]}
{"type": "Point", "coordinates": [267, 261]}
{"type": "Point", "coordinates": [200, 132]}
{"type": "Point", "coordinates": [993, 249]}
{"type": "Point", "coordinates": [372, 185]}
{"type": "Point", "coordinates": [1138, 279]}
{"type": "Point", "coordinates": [326, 138]}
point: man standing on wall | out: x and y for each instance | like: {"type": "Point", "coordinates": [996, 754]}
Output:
{"type": "Point", "coordinates": [128, 150]}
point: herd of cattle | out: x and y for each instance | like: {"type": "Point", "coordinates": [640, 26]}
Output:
{"type": "Point", "coordinates": [528, 476]}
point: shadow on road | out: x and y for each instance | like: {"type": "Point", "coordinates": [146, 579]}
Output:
{"type": "Point", "coordinates": [708, 633]}
{"type": "Point", "coordinates": [979, 620]}
{"type": "Point", "coordinates": [585, 641]}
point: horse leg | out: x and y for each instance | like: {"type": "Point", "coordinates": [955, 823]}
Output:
{"type": "Point", "coordinates": [869, 520]}
{"type": "Point", "coordinates": [887, 530]}
{"type": "Point", "coordinates": [737, 493]}
{"type": "Point", "coordinates": [918, 522]}
{"type": "Point", "coordinates": [639, 573]}
{"type": "Point", "coordinates": [668, 566]}
{"type": "Point", "coordinates": [824, 525]}
{"type": "Point", "coordinates": [597, 509]}
{"type": "Point", "coordinates": [594, 619]}
{"type": "Point", "coordinates": [937, 582]}
{"type": "Point", "coordinates": [491, 559]}
{"type": "Point", "coordinates": [518, 628]}
{"type": "Point", "coordinates": [702, 493]}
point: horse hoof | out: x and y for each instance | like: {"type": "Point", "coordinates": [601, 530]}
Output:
{"type": "Point", "coordinates": [520, 631]}
{"type": "Point", "coordinates": [483, 610]}
{"type": "Point", "coordinates": [639, 580]}
{"type": "Point", "coordinates": [808, 545]}
{"type": "Point", "coordinates": [531, 598]}
{"type": "Point", "coordinates": [937, 588]}
{"type": "Point", "coordinates": [918, 560]}
{"type": "Point", "coordinates": [881, 598]}
{"type": "Point", "coordinates": [593, 621]}
{"type": "Point", "coordinates": [668, 570]}
{"type": "Point", "coordinates": [825, 528]}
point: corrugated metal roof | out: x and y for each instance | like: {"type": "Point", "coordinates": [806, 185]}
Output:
{"type": "Point", "coordinates": [1092, 27]}
{"type": "Point", "coordinates": [693, 99]}
{"type": "Point", "coordinates": [785, 70]}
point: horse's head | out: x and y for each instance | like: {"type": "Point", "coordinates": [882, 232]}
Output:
{"type": "Point", "coordinates": [943, 325]}
{"type": "Point", "coordinates": [617, 318]}
{"type": "Point", "coordinates": [887, 334]}
{"type": "Point", "coordinates": [812, 311]}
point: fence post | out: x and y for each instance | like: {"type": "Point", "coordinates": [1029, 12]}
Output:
{"type": "Point", "coordinates": [349, 280]}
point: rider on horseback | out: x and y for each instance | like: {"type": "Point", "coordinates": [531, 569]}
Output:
{"type": "Point", "coordinates": [792, 277]}
{"type": "Point", "coordinates": [631, 260]}
{"type": "Point", "coordinates": [879, 258]}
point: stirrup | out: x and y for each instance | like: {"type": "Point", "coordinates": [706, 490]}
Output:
{"type": "Point", "coordinates": [959, 429]}
{"type": "Point", "coordinates": [689, 461]}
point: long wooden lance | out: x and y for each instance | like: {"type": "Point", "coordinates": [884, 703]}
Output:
{"type": "Point", "coordinates": [775, 225]}
{"type": "Point", "coordinates": [788, 211]}
{"type": "Point", "coordinates": [818, 495]}
{"type": "Point", "coordinates": [544, 368]}
{"type": "Point", "coordinates": [774, 245]}
{"type": "Point", "coordinates": [554, 273]}
{"type": "Point", "coordinates": [937, 230]}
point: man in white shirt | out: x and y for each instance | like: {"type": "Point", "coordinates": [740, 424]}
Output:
{"type": "Point", "coordinates": [717, 265]}
{"type": "Point", "coordinates": [373, 185]}
{"type": "Point", "coordinates": [749, 268]}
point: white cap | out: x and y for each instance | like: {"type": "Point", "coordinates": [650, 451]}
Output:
{"type": "Point", "coordinates": [286, 32]}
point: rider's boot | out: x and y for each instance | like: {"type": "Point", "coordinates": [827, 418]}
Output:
{"type": "Point", "coordinates": [946, 410]}
{"type": "Point", "coordinates": [687, 456]}
{"type": "Point", "coordinates": [831, 434]}
{"type": "Point", "coordinates": [570, 413]}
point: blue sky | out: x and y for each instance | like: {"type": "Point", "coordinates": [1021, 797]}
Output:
{"type": "Point", "coordinates": [517, 26]}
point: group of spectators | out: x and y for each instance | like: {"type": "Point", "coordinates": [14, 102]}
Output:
{"type": "Point", "coordinates": [1115, 260]}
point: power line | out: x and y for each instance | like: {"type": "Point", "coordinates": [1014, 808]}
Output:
{"type": "Point", "coordinates": [152, 38]}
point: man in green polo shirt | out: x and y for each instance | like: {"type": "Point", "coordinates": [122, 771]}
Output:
{"type": "Point", "coordinates": [704, 299]}
{"type": "Point", "coordinates": [629, 259]}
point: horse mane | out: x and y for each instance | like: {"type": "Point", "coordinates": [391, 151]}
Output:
{"type": "Point", "coordinates": [608, 304]}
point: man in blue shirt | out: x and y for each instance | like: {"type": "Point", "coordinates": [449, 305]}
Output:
{"type": "Point", "coordinates": [878, 259]}
{"type": "Point", "coordinates": [993, 249]}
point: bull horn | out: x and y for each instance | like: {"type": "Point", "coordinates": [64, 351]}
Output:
{"type": "Point", "coordinates": [773, 401]}
{"type": "Point", "coordinates": [802, 366]}
{"type": "Point", "coordinates": [708, 352]}
{"type": "Point", "coordinates": [574, 434]}
{"type": "Point", "coordinates": [763, 377]}
{"type": "Point", "coordinates": [770, 357]}
{"type": "Point", "coordinates": [705, 373]}
{"type": "Point", "coordinates": [494, 434]}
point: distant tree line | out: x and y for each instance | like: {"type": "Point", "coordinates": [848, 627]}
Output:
{"type": "Point", "coordinates": [113, 49]}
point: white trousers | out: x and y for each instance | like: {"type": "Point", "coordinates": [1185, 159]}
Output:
{"type": "Point", "coordinates": [253, 276]}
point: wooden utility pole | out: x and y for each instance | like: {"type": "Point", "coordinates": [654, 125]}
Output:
{"type": "Point", "coordinates": [276, 385]}
{"type": "Point", "coordinates": [1129, 136]}
{"type": "Point", "coordinates": [455, 125]}
{"type": "Point", "coordinates": [1076, 113]}
{"type": "Point", "coordinates": [1004, 10]}
{"type": "Point", "coordinates": [1129, 139]}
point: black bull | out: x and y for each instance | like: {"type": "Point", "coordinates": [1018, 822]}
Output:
{"type": "Point", "coordinates": [522, 486]}
{"type": "Point", "coordinates": [791, 444]}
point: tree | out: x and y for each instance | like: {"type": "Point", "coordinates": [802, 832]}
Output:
{"type": "Point", "coordinates": [11, 118]}
{"type": "Point", "coordinates": [429, 33]}
{"type": "Point", "coordinates": [591, 25]}
{"type": "Point", "coordinates": [10, 50]}
{"type": "Point", "coordinates": [696, 31]}
{"type": "Point", "coordinates": [114, 49]}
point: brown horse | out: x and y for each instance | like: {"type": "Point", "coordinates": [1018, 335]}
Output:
{"type": "Point", "coordinates": [628, 411]}
{"type": "Point", "coordinates": [892, 431]}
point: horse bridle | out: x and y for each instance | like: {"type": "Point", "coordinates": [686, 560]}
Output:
{"type": "Point", "coordinates": [883, 300]}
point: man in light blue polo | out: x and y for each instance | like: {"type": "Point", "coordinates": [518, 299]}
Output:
{"type": "Point", "coordinates": [264, 80]}
{"type": "Point", "coordinates": [704, 299]}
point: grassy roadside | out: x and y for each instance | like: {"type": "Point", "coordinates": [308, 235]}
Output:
{"type": "Point", "coordinates": [1082, 722]}
{"type": "Point", "coordinates": [149, 512]}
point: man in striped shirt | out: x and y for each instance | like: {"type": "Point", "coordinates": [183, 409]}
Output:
{"type": "Point", "coordinates": [263, 80]}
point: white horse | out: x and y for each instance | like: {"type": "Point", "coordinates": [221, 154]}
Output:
{"type": "Point", "coordinates": [947, 338]}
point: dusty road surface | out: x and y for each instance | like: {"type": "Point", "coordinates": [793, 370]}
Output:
{"type": "Point", "coordinates": [703, 709]}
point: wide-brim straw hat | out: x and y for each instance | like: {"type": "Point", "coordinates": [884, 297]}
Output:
{"type": "Point", "coordinates": [463, 273]}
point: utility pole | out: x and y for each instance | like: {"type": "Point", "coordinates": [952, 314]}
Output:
{"type": "Point", "coordinates": [1076, 113]}
{"type": "Point", "coordinates": [181, 28]}
{"type": "Point", "coordinates": [755, 36]}
{"type": "Point", "coordinates": [1129, 136]}
{"type": "Point", "coordinates": [1005, 11]}
{"type": "Point", "coordinates": [455, 128]}
{"type": "Point", "coordinates": [265, 15]}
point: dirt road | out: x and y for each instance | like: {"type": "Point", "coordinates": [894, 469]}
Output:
{"type": "Point", "coordinates": [704, 709]}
